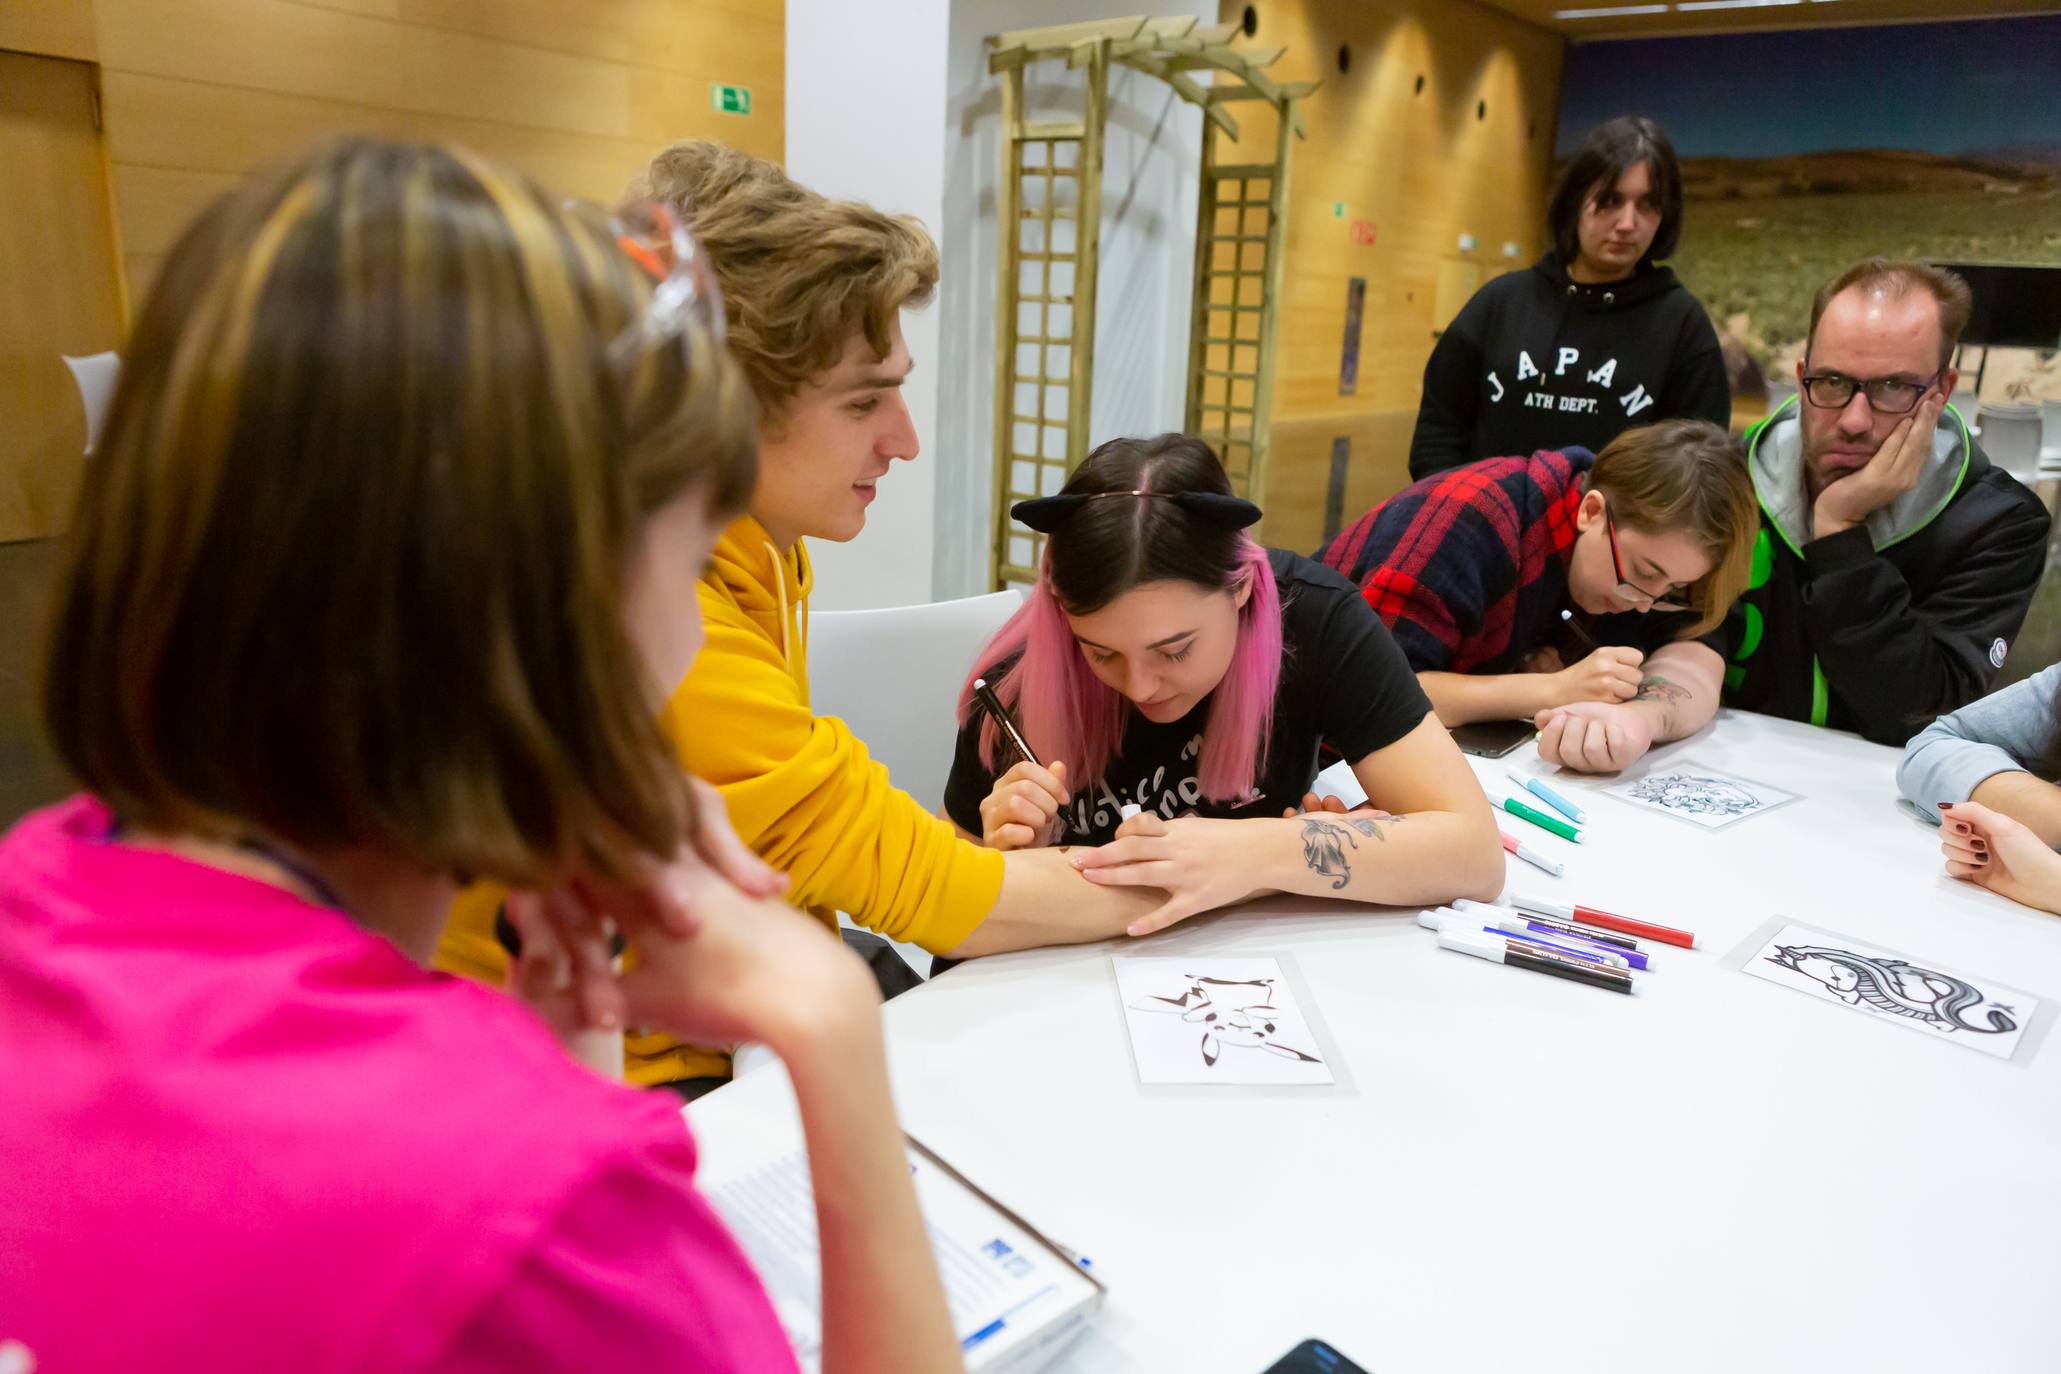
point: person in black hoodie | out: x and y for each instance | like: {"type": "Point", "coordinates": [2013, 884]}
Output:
{"type": "Point", "coordinates": [1594, 339]}
{"type": "Point", "coordinates": [1893, 563]}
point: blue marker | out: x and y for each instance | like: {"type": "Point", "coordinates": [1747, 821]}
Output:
{"type": "Point", "coordinates": [1550, 797]}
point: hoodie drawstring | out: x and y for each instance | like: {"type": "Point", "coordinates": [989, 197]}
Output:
{"type": "Point", "coordinates": [780, 581]}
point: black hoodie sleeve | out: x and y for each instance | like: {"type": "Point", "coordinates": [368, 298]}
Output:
{"type": "Point", "coordinates": [1451, 403]}
{"type": "Point", "coordinates": [1697, 386]}
{"type": "Point", "coordinates": [1898, 663]}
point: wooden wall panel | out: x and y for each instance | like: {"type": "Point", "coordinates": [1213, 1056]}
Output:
{"type": "Point", "coordinates": [1300, 471]}
{"type": "Point", "coordinates": [158, 202]}
{"type": "Point", "coordinates": [1468, 152]}
{"type": "Point", "coordinates": [49, 28]}
{"type": "Point", "coordinates": [577, 95]}
{"type": "Point", "coordinates": [59, 292]}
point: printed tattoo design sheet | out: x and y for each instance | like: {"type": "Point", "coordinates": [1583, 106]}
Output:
{"type": "Point", "coordinates": [1216, 1019]}
{"type": "Point", "coordinates": [1688, 791]}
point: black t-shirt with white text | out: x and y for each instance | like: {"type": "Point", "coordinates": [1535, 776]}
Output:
{"type": "Point", "coordinates": [1344, 683]}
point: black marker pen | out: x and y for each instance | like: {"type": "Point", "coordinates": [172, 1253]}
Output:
{"type": "Point", "coordinates": [994, 706]}
{"type": "Point", "coordinates": [1497, 950]}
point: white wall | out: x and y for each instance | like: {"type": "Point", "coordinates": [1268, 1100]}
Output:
{"type": "Point", "coordinates": [893, 105]}
{"type": "Point", "coordinates": [1151, 152]}
{"type": "Point", "coordinates": [865, 95]}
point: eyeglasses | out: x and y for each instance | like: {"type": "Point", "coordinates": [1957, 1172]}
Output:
{"type": "Point", "coordinates": [1654, 602]}
{"type": "Point", "coordinates": [1886, 395]}
{"type": "Point", "coordinates": [651, 235]}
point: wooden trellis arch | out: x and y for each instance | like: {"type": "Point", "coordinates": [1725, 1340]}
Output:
{"type": "Point", "coordinates": [1048, 215]}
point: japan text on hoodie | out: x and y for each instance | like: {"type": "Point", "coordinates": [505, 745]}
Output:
{"type": "Point", "coordinates": [1538, 361]}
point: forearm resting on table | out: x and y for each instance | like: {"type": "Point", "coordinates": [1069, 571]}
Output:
{"type": "Point", "coordinates": [1461, 698]}
{"type": "Point", "coordinates": [2032, 802]}
{"type": "Point", "coordinates": [883, 1305]}
{"type": "Point", "coordinates": [1679, 690]}
{"type": "Point", "coordinates": [1420, 859]}
{"type": "Point", "coordinates": [1045, 901]}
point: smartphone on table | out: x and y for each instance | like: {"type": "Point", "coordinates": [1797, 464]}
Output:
{"type": "Point", "coordinates": [1313, 1357]}
{"type": "Point", "coordinates": [1491, 739]}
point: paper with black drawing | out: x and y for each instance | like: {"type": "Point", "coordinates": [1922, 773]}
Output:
{"type": "Point", "coordinates": [1688, 791]}
{"type": "Point", "coordinates": [1975, 1012]}
{"type": "Point", "coordinates": [1216, 1019]}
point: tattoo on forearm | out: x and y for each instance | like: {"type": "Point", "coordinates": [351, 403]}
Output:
{"type": "Point", "coordinates": [1670, 697]}
{"type": "Point", "coordinates": [1325, 844]}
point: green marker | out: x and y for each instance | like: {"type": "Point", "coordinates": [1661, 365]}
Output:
{"type": "Point", "coordinates": [1541, 819]}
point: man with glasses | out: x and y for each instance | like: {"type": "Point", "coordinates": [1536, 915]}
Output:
{"type": "Point", "coordinates": [1893, 563]}
{"type": "Point", "coordinates": [1566, 588]}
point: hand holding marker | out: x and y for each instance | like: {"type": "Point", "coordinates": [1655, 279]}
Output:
{"type": "Point", "coordinates": [1004, 721]}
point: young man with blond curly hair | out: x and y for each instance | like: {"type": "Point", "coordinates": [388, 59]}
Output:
{"type": "Point", "coordinates": [814, 289]}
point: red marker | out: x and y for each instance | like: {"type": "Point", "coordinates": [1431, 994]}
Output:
{"type": "Point", "coordinates": [1604, 920]}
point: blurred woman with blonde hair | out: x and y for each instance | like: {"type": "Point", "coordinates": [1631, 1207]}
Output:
{"type": "Point", "coordinates": [375, 584]}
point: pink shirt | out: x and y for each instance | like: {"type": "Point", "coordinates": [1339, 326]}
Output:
{"type": "Point", "coordinates": [238, 1132]}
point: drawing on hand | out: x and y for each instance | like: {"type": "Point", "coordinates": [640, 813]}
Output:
{"type": "Point", "coordinates": [1235, 1014]}
{"type": "Point", "coordinates": [1694, 795]}
{"type": "Point", "coordinates": [1324, 845]}
{"type": "Point", "coordinates": [1894, 987]}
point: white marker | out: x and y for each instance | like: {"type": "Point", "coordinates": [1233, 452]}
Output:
{"type": "Point", "coordinates": [1531, 856]}
{"type": "Point", "coordinates": [1500, 949]}
{"type": "Point", "coordinates": [1445, 918]}
{"type": "Point", "coordinates": [1127, 810]}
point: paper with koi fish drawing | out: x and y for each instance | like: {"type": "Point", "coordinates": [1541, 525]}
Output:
{"type": "Point", "coordinates": [1690, 792]}
{"type": "Point", "coordinates": [1217, 1019]}
{"type": "Point", "coordinates": [1968, 1010]}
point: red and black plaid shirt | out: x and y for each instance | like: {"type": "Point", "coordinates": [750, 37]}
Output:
{"type": "Point", "coordinates": [1468, 568]}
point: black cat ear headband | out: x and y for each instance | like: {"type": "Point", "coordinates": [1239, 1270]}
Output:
{"type": "Point", "coordinates": [1047, 513]}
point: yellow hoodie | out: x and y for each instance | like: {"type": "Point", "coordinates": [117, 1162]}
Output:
{"type": "Point", "coordinates": [801, 789]}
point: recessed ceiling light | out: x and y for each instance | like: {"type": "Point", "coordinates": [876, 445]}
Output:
{"type": "Point", "coordinates": [1609, 11]}
{"type": "Point", "coordinates": [1687, 5]}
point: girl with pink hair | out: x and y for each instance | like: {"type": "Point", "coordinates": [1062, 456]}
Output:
{"type": "Point", "coordinates": [1177, 680]}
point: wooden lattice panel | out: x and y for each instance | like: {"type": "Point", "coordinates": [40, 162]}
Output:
{"type": "Point", "coordinates": [1048, 215]}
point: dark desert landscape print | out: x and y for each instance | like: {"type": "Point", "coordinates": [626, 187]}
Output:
{"type": "Point", "coordinates": [1805, 151]}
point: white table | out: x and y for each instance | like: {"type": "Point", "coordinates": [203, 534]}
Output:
{"type": "Point", "coordinates": [1753, 1180]}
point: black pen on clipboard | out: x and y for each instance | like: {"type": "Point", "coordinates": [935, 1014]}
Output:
{"type": "Point", "coordinates": [1007, 723]}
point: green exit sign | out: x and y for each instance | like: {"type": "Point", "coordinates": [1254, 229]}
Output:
{"type": "Point", "coordinates": [730, 99]}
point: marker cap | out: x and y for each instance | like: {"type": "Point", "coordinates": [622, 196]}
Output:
{"type": "Point", "coordinates": [1477, 942]}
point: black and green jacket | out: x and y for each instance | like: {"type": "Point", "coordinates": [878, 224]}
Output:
{"type": "Point", "coordinates": [1883, 627]}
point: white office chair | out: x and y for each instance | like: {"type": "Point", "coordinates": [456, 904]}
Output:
{"type": "Point", "coordinates": [893, 675]}
{"type": "Point", "coordinates": [2011, 438]}
{"type": "Point", "coordinates": [2050, 439]}
{"type": "Point", "coordinates": [96, 375]}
